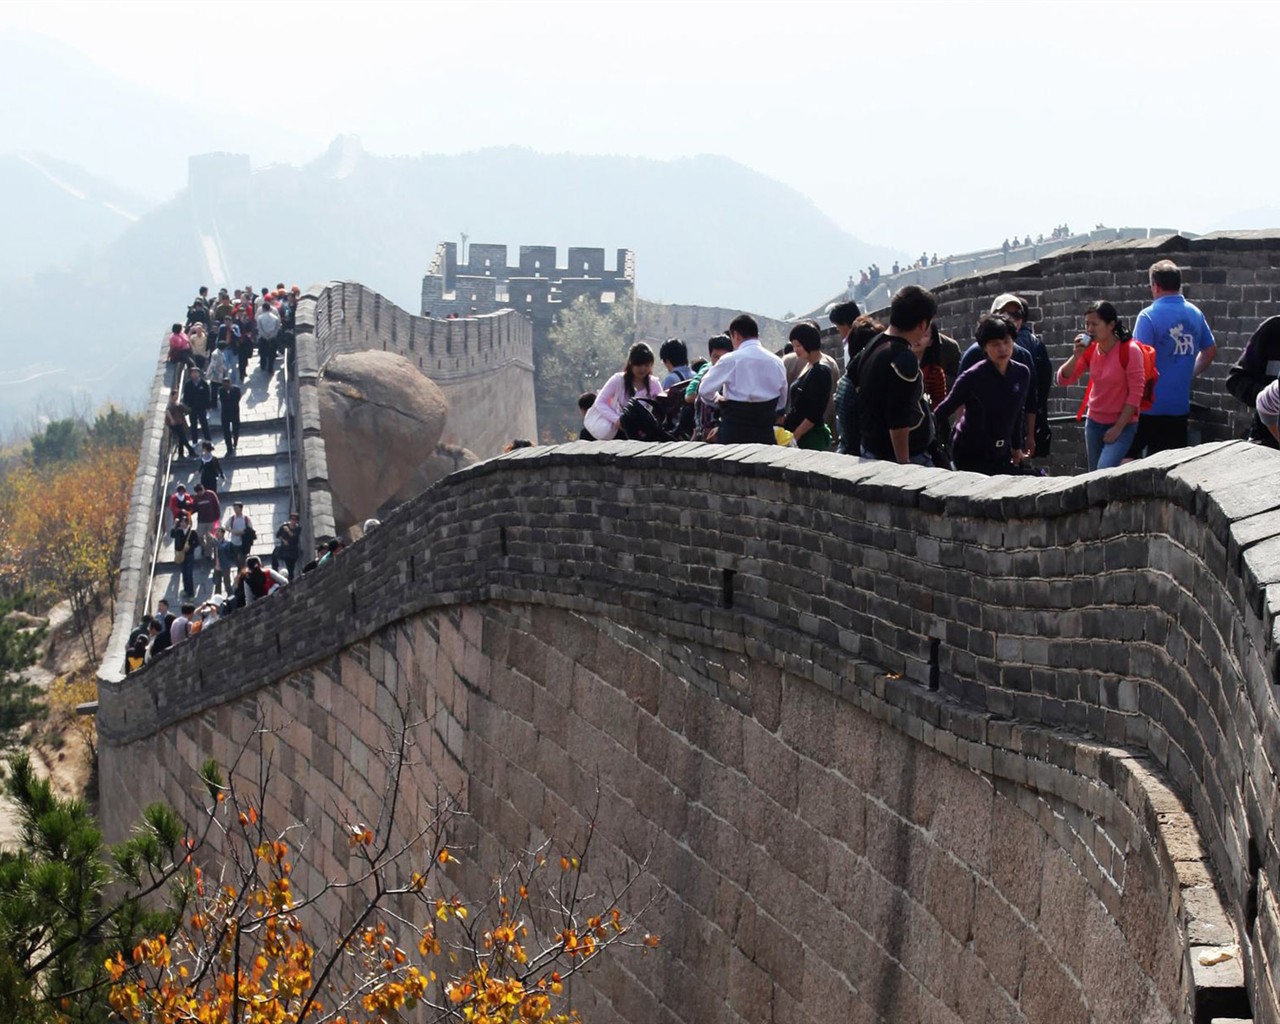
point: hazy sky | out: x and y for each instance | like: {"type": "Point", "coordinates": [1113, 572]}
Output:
{"type": "Point", "coordinates": [916, 125]}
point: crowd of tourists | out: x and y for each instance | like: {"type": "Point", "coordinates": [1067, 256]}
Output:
{"type": "Point", "coordinates": [908, 392]}
{"type": "Point", "coordinates": [213, 536]}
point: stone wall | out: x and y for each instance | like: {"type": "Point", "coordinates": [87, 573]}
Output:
{"type": "Point", "coordinates": [484, 366]}
{"type": "Point", "coordinates": [986, 260]}
{"type": "Point", "coordinates": [1233, 277]}
{"type": "Point", "coordinates": [899, 738]}
{"type": "Point", "coordinates": [146, 506]}
{"type": "Point", "coordinates": [658, 321]}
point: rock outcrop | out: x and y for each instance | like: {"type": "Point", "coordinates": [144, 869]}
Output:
{"type": "Point", "coordinates": [382, 420]}
{"type": "Point", "coordinates": [446, 459]}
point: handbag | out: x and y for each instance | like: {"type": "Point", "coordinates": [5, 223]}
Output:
{"type": "Point", "coordinates": [598, 424]}
{"type": "Point", "coordinates": [179, 547]}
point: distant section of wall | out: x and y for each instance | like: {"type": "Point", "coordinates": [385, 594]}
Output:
{"type": "Point", "coordinates": [535, 286]}
{"type": "Point", "coordinates": [986, 260]}
{"type": "Point", "coordinates": [1233, 277]}
{"type": "Point", "coordinates": [657, 321]}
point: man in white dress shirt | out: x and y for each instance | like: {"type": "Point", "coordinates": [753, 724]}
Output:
{"type": "Point", "coordinates": [750, 384]}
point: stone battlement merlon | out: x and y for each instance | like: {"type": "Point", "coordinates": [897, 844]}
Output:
{"type": "Point", "coordinates": [536, 284]}
{"type": "Point", "coordinates": [486, 260]}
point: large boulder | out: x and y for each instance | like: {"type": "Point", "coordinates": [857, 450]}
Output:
{"type": "Point", "coordinates": [381, 419]}
{"type": "Point", "coordinates": [446, 459]}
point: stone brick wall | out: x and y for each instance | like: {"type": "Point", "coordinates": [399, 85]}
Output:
{"type": "Point", "coordinates": [657, 321]}
{"type": "Point", "coordinates": [484, 366]}
{"type": "Point", "coordinates": [899, 738]}
{"type": "Point", "coordinates": [1233, 277]}
{"type": "Point", "coordinates": [146, 505]}
{"type": "Point", "coordinates": [495, 349]}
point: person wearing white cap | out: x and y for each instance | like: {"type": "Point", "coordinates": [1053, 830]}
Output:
{"type": "Point", "coordinates": [1042, 370]}
{"type": "Point", "coordinates": [1021, 354]}
{"type": "Point", "coordinates": [1268, 406]}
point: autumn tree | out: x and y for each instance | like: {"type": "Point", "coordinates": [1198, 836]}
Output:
{"type": "Point", "coordinates": [239, 941]}
{"type": "Point", "coordinates": [61, 529]}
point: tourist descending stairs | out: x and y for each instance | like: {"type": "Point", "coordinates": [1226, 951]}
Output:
{"type": "Point", "coordinates": [258, 472]}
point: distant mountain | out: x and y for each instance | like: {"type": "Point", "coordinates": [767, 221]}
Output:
{"type": "Point", "coordinates": [53, 211]}
{"type": "Point", "coordinates": [705, 230]}
{"type": "Point", "coordinates": [61, 103]}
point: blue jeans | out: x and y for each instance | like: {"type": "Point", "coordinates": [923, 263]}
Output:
{"type": "Point", "coordinates": [1104, 456]}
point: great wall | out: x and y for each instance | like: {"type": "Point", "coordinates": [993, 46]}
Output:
{"type": "Point", "coordinates": [907, 745]}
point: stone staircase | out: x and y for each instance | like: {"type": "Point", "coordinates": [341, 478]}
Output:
{"type": "Point", "coordinates": [260, 474]}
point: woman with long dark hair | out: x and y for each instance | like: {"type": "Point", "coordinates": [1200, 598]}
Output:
{"type": "Point", "coordinates": [1116, 379]}
{"type": "Point", "coordinates": [634, 380]}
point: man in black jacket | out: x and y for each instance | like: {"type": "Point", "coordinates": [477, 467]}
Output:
{"type": "Point", "coordinates": [895, 421]}
{"type": "Point", "coordinates": [197, 398]}
{"type": "Point", "coordinates": [1258, 366]}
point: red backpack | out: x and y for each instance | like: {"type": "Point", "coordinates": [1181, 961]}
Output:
{"type": "Point", "coordinates": [1149, 374]}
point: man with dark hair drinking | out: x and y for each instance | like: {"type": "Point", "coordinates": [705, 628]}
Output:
{"type": "Point", "coordinates": [752, 386]}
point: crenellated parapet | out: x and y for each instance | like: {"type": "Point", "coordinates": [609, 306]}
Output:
{"type": "Point", "coordinates": [905, 744]}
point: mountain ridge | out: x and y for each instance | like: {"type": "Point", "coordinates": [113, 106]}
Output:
{"type": "Point", "coordinates": [705, 230]}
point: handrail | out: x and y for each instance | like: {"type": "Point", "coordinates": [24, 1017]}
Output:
{"type": "Point", "coordinates": [288, 428]}
{"type": "Point", "coordinates": [164, 500]}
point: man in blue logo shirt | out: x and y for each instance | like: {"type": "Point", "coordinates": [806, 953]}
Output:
{"type": "Point", "coordinates": [1184, 349]}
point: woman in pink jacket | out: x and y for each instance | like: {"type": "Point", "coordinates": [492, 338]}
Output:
{"type": "Point", "coordinates": [635, 380]}
{"type": "Point", "coordinates": [1116, 379]}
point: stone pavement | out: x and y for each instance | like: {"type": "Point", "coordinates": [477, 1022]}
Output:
{"type": "Point", "coordinates": [259, 474]}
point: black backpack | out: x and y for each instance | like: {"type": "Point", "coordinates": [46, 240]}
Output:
{"type": "Point", "coordinates": [638, 423]}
